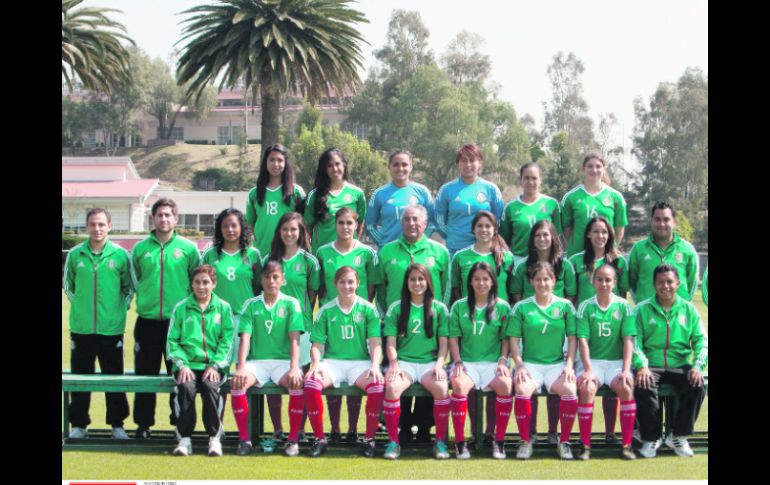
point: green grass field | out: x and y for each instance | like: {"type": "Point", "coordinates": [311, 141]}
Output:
{"type": "Point", "coordinates": [344, 463]}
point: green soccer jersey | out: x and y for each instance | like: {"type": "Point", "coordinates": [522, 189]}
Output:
{"type": "Point", "coordinates": [415, 345]}
{"type": "Point", "coordinates": [163, 273]}
{"type": "Point", "coordinates": [397, 255]}
{"type": "Point", "coordinates": [578, 207]}
{"type": "Point", "coordinates": [704, 286]}
{"type": "Point", "coordinates": [464, 259]}
{"type": "Point", "coordinates": [269, 327]}
{"type": "Point", "coordinates": [585, 287]}
{"type": "Point", "coordinates": [480, 340]}
{"type": "Point", "coordinates": [605, 328]}
{"type": "Point", "coordinates": [200, 338]}
{"type": "Point", "coordinates": [346, 334]}
{"type": "Point", "coordinates": [542, 329]}
{"type": "Point", "coordinates": [565, 285]}
{"type": "Point", "coordinates": [362, 258]}
{"type": "Point", "coordinates": [669, 339]}
{"type": "Point", "coordinates": [324, 231]}
{"type": "Point", "coordinates": [646, 255]}
{"type": "Point", "coordinates": [263, 219]}
{"type": "Point", "coordinates": [237, 274]}
{"type": "Point", "coordinates": [302, 274]}
{"type": "Point", "coordinates": [519, 217]}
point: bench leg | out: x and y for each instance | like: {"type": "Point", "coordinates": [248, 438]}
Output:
{"type": "Point", "coordinates": [478, 433]}
{"type": "Point", "coordinates": [65, 415]}
{"type": "Point", "coordinates": [256, 415]}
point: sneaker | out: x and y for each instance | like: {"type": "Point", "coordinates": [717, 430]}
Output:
{"type": "Point", "coordinates": [143, 433]}
{"type": "Point", "coordinates": [498, 450]}
{"type": "Point", "coordinates": [553, 438]}
{"type": "Point", "coordinates": [318, 448]}
{"type": "Point", "coordinates": [369, 449]}
{"type": "Point", "coordinates": [268, 445]}
{"type": "Point", "coordinates": [585, 453]}
{"type": "Point", "coordinates": [278, 436]}
{"type": "Point", "coordinates": [215, 446]}
{"type": "Point", "coordinates": [525, 450]}
{"type": "Point", "coordinates": [118, 433]}
{"type": "Point", "coordinates": [393, 451]}
{"type": "Point", "coordinates": [292, 448]}
{"type": "Point", "coordinates": [301, 437]}
{"type": "Point", "coordinates": [78, 433]}
{"type": "Point", "coordinates": [440, 451]}
{"type": "Point", "coordinates": [611, 439]}
{"type": "Point", "coordinates": [648, 449]}
{"type": "Point", "coordinates": [627, 453]}
{"type": "Point", "coordinates": [351, 437]}
{"type": "Point", "coordinates": [462, 452]}
{"type": "Point", "coordinates": [184, 448]}
{"type": "Point", "coordinates": [488, 439]}
{"type": "Point", "coordinates": [564, 451]}
{"type": "Point", "coordinates": [244, 448]}
{"type": "Point", "coordinates": [680, 445]}
{"type": "Point", "coordinates": [334, 437]}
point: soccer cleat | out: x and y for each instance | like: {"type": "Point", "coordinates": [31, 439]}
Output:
{"type": "Point", "coordinates": [118, 433]}
{"type": "Point", "coordinates": [143, 433]}
{"type": "Point", "coordinates": [525, 450]}
{"type": "Point", "coordinates": [292, 448]}
{"type": "Point", "coordinates": [498, 450]}
{"type": "Point", "coordinates": [553, 438]}
{"type": "Point", "coordinates": [369, 449]}
{"type": "Point", "coordinates": [334, 437]}
{"type": "Point", "coordinates": [184, 448]}
{"type": "Point", "coordinates": [627, 453]}
{"type": "Point", "coordinates": [301, 438]}
{"type": "Point", "coordinates": [461, 450]}
{"type": "Point", "coordinates": [680, 445]}
{"type": "Point", "coordinates": [648, 449]}
{"type": "Point", "coordinates": [440, 451]}
{"type": "Point", "coordinates": [278, 437]}
{"type": "Point", "coordinates": [351, 437]}
{"type": "Point", "coordinates": [78, 433]}
{"type": "Point", "coordinates": [215, 446]}
{"type": "Point", "coordinates": [564, 451]}
{"type": "Point", "coordinates": [585, 453]}
{"type": "Point", "coordinates": [244, 448]}
{"type": "Point", "coordinates": [393, 451]}
{"type": "Point", "coordinates": [318, 448]}
{"type": "Point", "coordinates": [488, 439]}
{"type": "Point", "coordinates": [611, 439]}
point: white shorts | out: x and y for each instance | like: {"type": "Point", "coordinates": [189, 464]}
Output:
{"type": "Point", "coordinates": [304, 349]}
{"type": "Point", "coordinates": [544, 374]}
{"type": "Point", "coordinates": [416, 370]}
{"type": "Point", "coordinates": [481, 373]}
{"type": "Point", "coordinates": [604, 370]}
{"type": "Point", "coordinates": [267, 370]}
{"type": "Point", "coordinates": [344, 370]}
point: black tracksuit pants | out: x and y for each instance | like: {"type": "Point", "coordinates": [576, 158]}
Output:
{"type": "Point", "coordinates": [149, 351]}
{"type": "Point", "coordinates": [184, 404]}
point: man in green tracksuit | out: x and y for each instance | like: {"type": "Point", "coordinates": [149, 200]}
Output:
{"type": "Point", "coordinates": [663, 245]}
{"type": "Point", "coordinates": [99, 286]}
{"type": "Point", "coordinates": [163, 265]}
{"type": "Point", "coordinates": [671, 348]}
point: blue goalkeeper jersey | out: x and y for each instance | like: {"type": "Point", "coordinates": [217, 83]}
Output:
{"type": "Point", "coordinates": [456, 205]}
{"type": "Point", "coordinates": [386, 208]}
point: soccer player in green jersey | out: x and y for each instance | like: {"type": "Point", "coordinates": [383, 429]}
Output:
{"type": "Point", "coordinates": [704, 287]}
{"type": "Point", "coordinates": [605, 331]}
{"type": "Point", "coordinates": [542, 322]}
{"type": "Point", "coordinates": [416, 329]}
{"type": "Point", "coordinates": [594, 197]}
{"type": "Point", "coordinates": [348, 328]}
{"type": "Point", "coordinates": [480, 355]}
{"type": "Point", "coordinates": [524, 211]}
{"type": "Point", "coordinates": [332, 191]}
{"type": "Point", "coordinates": [199, 343]}
{"type": "Point", "coordinates": [671, 348]}
{"type": "Point", "coordinates": [274, 195]}
{"type": "Point", "coordinates": [270, 326]}
{"type": "Point", "coordinates": [99, 285]}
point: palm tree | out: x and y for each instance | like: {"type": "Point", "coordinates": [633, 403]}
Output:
{"type": "Point", "coordinates": [93, 54]}
{"type": "Point", "coordinates": [273, 47]}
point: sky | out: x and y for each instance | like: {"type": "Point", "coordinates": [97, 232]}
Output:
{"type": "Point", "coordinates": [627, 47]}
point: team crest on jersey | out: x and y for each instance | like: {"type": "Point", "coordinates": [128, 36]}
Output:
{"type": "Point", "coordinates": [430, 261]}
{"type": "Point", "coordinates": [678, 257]}
{"type": "Point", "coordinates": [544, 209]}
{"type": "Point", "coordinates": [682, 320]}
{"type": "Point", "coordinates": [647, 257]}
{"type": "Point", "coordinates": [147, 255]}
{"type": "Point", "coordinates": [358, 317]}
{"type": "Point", "coordinates": [218, 318]}
{"type": "Point", "coordinates": [393, 261]}
{"type": "Point", "coordinates": [413, 199]}
{"type": "Point", "coordinates": [652, 322]}
{"type": "Point", "coordinates": [111, 264]}
{"type": "Point", "coordinates": [348, 198]}
{"type": "Point", "coordinates": [281, 312]}
{"type": "Point", "coordinates": [177, 253]}
{"type": "Point", "coordinates": [81, 265]}
{"type": "Point", "coordinates": [389, 201]}
{"type": "Point", "coordinates": [190, 319]}
{"type": "Point", "coordinates": [556, 312]}
{"type": "Point", "coordinates": [297, 267]}
{"type": "Point", "coordinates": [494, 314]}
{"type": "Point", "coordinates": [616, 315]}
{"type": "Point", "coordinates": [481, 197]}
{"type": "Point", "coordinates": [357, 261]}
{"type": "Point", "coordinates": [607, 201]}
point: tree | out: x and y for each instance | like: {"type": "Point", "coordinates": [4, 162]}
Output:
{"type": "Point", "coordinates": [463, 61]}
{"type": "Point", "coordinates": [406, 46]}
{"type": "Point", "coordinates": [91, 48]}
{"type": "Point", "coordinates": [75, 121]}
{"type": "Point", "coordinates": [273, 47]}
{"type": "Point", "coordinates": [561, 170]}
{"type": "Point", "coordinates": [115, 115]}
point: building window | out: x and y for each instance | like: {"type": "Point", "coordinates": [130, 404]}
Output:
{"type": "Point", "coordinates": [206, 224]}
{"type": "Point", "coordinates": [223, 135]}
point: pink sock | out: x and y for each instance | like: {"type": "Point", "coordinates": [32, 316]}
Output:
{"type": "Point", "coordinates": [610, 409]}
{"type": "Point", "coordinates": [315, 406]}
{"type": "Point", "coordinates": [354, 410]}
{"type": "Point", "coordinates": [503, 405]}
{"type": "Point", "coordinates": [392, 410]}
{"type": "Point", "coordinates": [240, 405]}
{"type": "Point", "coordinates": [522, 408]}
{"type": "Point", "coordinates": [296, 410]}
{"type": "Point", "coordinates": [441, 417]}
{"type": "Point", "coordinates": [627, 417]}
{"type": "Point", "coordinates": [553, 401]}
{"type": "Point", "coordinates": [274, 404]}
{"type": "Point", "coordinates": [374, 395]}
{"type": "Point", "coordinates": [567, 410]}
{"type": "Point", "coordinates": [459, 411]}
{"type": "Point", "coordinates": [334, 404]}
{"type": "Point", "coordinates": [585, 420]}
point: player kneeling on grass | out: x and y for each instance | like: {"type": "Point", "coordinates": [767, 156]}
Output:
{"type": "Point", "coordinates": [669, 331]}
{"type": "Point", "coordinates": [270, 326]}
{"type": "Point", "coordinates": [199, 343]}
{"type": "Point", "coordinates": [343, 327]}
{"type": "Point", "coordinates": [416, 328]}
{"type": "Point", "coordinates": [542, 322]}
{"type": "Point", "coordinates": [605, 331]}
{"type": "Point", "coordinates": [480, 355]}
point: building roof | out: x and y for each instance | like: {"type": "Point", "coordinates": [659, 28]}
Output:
{"type": "Point", "coordinates": [100, 162]}
{"type": "Point", "coordinates": [118, 189]}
